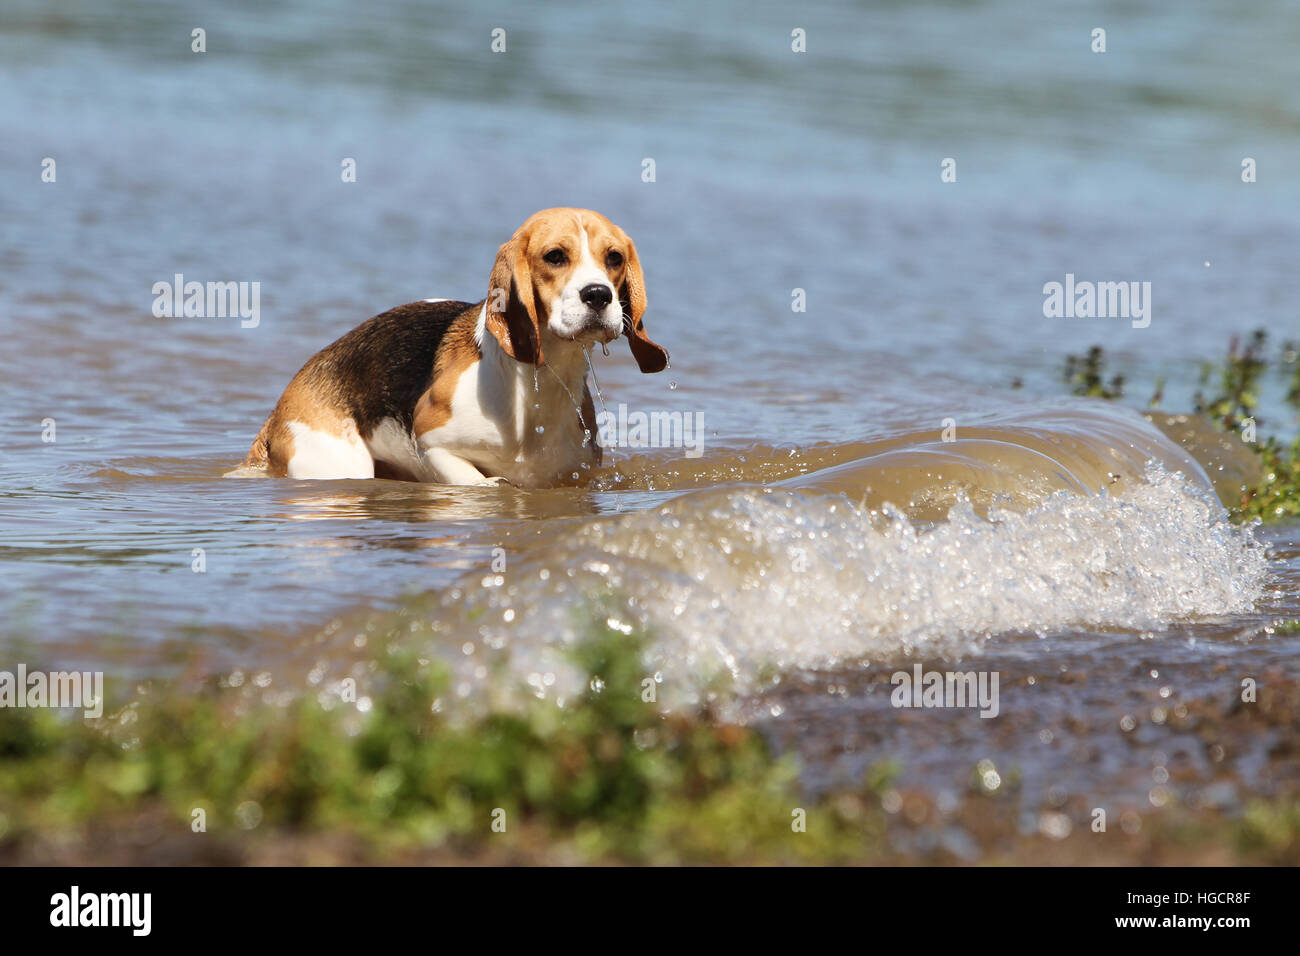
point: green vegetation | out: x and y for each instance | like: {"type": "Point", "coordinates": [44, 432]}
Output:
{"type": "Point", "coordinates": [606, 777]}
{"type": "Point", "coordinates": [1086, 376]}
{"type": "Point", "coordinates": [1238, 376]}
{"type": "Point", "coordinates": [1279, 495]}
{"type": "Point", "coordinates": [1232, 406]}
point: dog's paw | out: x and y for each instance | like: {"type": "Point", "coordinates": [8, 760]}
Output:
{"type": "Point", "coordinates": [497, 482]}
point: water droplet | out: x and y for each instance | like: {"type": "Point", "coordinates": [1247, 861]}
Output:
{"type": "Point", "coordinates": [672, 386]}
{"type": "Point", "coordinates": [540, 429]}
{"type": "Point", "coordinates": [1056, 826]}
{"type": "Point", "coordinates": [248, 815]}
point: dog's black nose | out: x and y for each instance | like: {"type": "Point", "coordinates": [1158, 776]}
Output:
{"type": "Point", "coordinates": [596, 295]}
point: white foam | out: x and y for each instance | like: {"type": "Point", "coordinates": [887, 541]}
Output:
{"type": "Point", "coordinates": [745, 582]}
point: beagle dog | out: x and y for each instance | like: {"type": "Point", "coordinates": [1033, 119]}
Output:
{"type": "Point", "coordinates": [466, 394]}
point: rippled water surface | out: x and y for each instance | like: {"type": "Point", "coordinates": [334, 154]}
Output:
{"type": "Point", "coordinates": [827, 533]}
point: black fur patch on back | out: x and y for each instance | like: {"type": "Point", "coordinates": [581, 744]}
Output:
{"type": "Point", "coordinates": [382, 367]}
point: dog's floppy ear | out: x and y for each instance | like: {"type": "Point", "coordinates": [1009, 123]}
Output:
{"type": "Point", "coordinates": [651, 357]}
{"type": "Point", "coordinates": [511, 306]}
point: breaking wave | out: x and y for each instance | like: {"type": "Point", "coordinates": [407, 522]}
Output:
{"type": "Point", "coordinates": [741, 584]}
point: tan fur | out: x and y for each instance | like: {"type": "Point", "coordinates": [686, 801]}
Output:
{"type": "Point", "coordinates": [301, 402]}
{"type": "Point", "coordinates": [456, 354]}
{"type": "Point", "coordinates": [523, 281]}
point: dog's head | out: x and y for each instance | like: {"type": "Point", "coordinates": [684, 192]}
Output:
{"type": "Point", "coordinates": [569, 275]}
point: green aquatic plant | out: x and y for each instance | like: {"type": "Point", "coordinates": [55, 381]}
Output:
{"type": "Point", "coordinates": [607, 776]}
{"type": "Point", "coordinates": [1158, 395]}
{"type": "Point", "coordinates": [229, 775]}
{"type": "Point", "coordinates": [1290, 363]}
{"type": "Point", "coordinates": [1270, 830]}
{"type": "Point", "coordinates": [1238, 376]}
{"type": "Point", "coordinates": [1232, 407]}
{"type": "Point", "coordinates": [1086, 376]}
{"type": "Point", "coordinates": [1278, 496]}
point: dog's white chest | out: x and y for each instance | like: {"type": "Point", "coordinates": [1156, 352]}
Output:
{"type": "Point", "coordinates": [516, 426]}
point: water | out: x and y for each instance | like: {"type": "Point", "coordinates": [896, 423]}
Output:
{"type": "Point", "coordinates": [770, 559]}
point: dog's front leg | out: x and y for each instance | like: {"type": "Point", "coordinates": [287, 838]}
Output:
{"type": "Point", "coordinates": [449, 469]}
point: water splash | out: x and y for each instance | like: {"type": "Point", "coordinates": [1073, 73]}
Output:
{"type": "Point", "coordinates": [595, 383]}
{"type": "Point", "coordinates": [576, 406]}
{"type": "Point", "coordinates": [741, 584]}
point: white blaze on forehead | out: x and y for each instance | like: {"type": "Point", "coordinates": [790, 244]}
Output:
{"type": "Point", "coordinates": [588, 271]}
{"type": "Point", "coordinates": [571, 316]}
{"type": "Point", "coordinates": [586, 242]}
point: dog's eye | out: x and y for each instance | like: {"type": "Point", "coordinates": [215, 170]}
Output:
{"type": "Point", "coordinates": [613, 259]}
{"type": "Point", "coordinates": [556, 257]}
